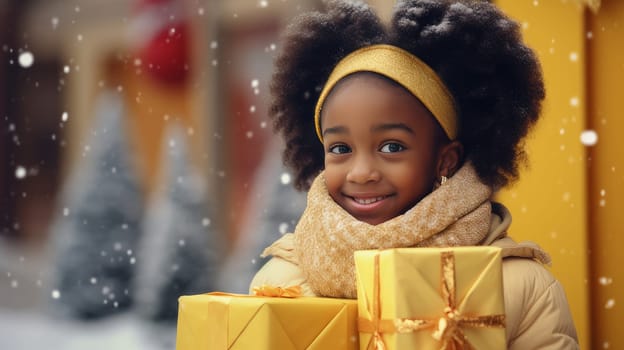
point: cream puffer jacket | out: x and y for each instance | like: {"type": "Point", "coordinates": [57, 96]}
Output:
{"type": "Point", "coordinates": [537, 311]}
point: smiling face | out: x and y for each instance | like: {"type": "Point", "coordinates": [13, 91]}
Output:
{"type": "Point", "coordinates": [383, 148]}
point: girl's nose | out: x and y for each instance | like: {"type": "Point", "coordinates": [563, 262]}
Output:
{"type": "Point", "coordinates": [363, 170]}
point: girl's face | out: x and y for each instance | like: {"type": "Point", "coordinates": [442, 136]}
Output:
{"type": "Point", "coordinates": [382, 148]}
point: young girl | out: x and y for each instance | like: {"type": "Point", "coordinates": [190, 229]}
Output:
{"type": "Point", "coordinates": [419, 124]}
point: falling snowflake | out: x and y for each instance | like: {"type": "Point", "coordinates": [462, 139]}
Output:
{"type": "Point", "coordinates": [285, 178]}
{"type": "Point", "coordinates": [56, 294]}
{"type": "Point", "coordinates": [205, 222]}
{"type": "Point", "coordinates": [20, 172]}
{"type": "Point", "coordinates": [589, 137]}
{"type": "Point", "coordinates": [566, 196]}
{"type": "Point", "coordinates": [610, 304]}
{"type": "Point", "coordinates": [26, 59]}
{"type": "Point", "coordinates": [605, 281]}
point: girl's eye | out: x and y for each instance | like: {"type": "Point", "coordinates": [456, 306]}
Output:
{"type": "Point", "coordinates": [339, 149]}
{"type": "Point", "coordinates": [392, 147]}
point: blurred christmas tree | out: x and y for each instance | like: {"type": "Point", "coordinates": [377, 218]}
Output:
{"type": "Point", "coordinates": [98, 225]}
{"type": "Point", "coordinates": [180, 252]}
{"type": "Point", "coordinates": [275, 209]}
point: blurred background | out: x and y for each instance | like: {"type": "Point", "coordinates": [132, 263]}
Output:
{"type": "Point", "coordinates": [137, 162]}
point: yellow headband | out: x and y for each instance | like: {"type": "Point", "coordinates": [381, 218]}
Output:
{"type": "Point", "coordinates": [404, 68]}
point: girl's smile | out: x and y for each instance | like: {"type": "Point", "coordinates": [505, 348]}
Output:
{"type": "Point", "coordinates": [363, 206]}
{"type": "Point", "coordinates": [367, 201]}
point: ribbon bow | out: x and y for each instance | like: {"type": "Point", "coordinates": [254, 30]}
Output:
{"type": "Point", "coordinates": [448, 329]}
{"type": "Point", "coordinates": [278, 292]}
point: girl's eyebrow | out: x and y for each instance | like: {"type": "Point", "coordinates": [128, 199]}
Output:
{"type": "Point", "coordinates": [392, 126]}
{"type": "Point", "coordinates": [335, 130]}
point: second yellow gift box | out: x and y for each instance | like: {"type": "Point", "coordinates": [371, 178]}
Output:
{"type": "Point", "coordinates": [431, 298]}
{"type": "Point", "coordinates": [225, 321]}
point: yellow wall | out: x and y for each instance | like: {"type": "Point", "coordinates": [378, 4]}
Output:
{"type": "Point", "coordinates": [605, 77]}
{"type": "Point", "coordinates": [549, 204]}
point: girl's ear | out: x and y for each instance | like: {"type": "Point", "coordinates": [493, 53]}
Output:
{"type": "Point", "coordinates": [450, 158]}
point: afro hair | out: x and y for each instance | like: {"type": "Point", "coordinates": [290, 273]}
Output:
{"type": "Point", "coordinates": [476, 50]}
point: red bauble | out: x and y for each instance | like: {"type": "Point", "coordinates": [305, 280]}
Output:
{"type": "Point", "coordinates": [166, 56]}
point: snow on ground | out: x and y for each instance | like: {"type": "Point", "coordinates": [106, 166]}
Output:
{"type": "Point", "coordinates": [21, 330]}
{"type": "Point", "coordinates": [26, 322]}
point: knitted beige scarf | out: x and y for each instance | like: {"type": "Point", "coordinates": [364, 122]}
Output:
{"type": "Point", "coordinates": [456, 214]}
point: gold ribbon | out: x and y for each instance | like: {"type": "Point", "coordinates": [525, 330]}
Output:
{"type": "Point", "coordinates": [376, 325]}
{"type": "Point", "coordinates": [278, 292]}
{"type": "Point", "coordinates": [448, 329]}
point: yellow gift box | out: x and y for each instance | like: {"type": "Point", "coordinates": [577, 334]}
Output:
{"type": "Point", "coordinates": [431, 298]}
{"type": "Point", "coordinates": [218, 321]}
